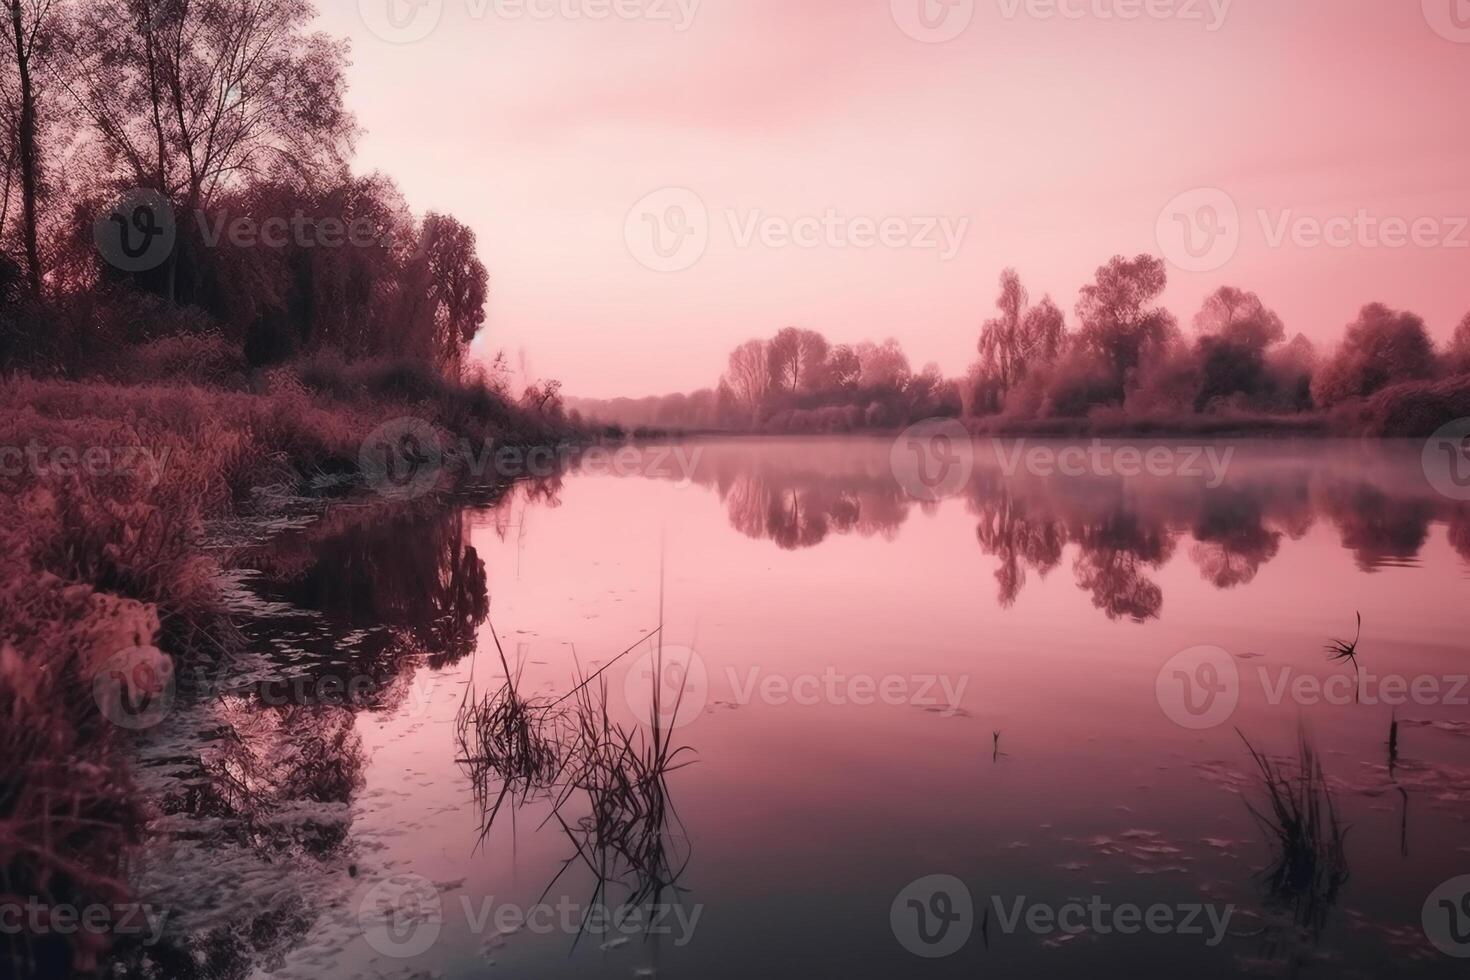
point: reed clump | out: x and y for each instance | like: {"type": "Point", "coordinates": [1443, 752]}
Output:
{"type": "Point", "coordinates": [608, 782]}
{"type": "Point", "coordinates": [1307, 837]}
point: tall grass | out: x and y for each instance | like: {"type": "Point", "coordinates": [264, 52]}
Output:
{"type": "Point", "coordinates": [508, 744]}
{"type": "Point", "coordinates": [1308, 840]}
{"type": "Point", "coordinates": [609, 782]}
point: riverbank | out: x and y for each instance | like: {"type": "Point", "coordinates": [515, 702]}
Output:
{"type": "Point", "coordinates": [1412, 410]}
{"type": "Point", "coordinates": [110, 585]}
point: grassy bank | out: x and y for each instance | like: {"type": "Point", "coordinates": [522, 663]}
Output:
{"type": "Point", "coordinates": [106, 491]}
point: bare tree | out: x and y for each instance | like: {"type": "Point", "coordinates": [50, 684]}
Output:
{"type": "Point", "coordinates": [29, 22]}
{"type": "Point", "coordinates": [796, 356]}
{"type": "Point", "coordinates": [750, 375]}
{"type": "Point", "coordinates": [189, 95]}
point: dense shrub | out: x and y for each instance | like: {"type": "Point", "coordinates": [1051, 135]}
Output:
{"type": "Point", "coordinates": [1416, 409]}
{"type": "Point", "coordinates": [1381, 347]}
{"type": "Point", "coordinates": [205, 358]}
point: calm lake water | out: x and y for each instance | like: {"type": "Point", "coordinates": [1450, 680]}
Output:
{"type": "Point", "coordinates": [1041, 689]}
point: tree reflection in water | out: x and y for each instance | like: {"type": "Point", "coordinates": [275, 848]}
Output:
{"type": "Point", "coordinates": [255, 774]}
{"type": "Point", "coordinates": [798, 494]}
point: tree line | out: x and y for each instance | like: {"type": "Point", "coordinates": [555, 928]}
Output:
{"type": "Point", "coordinates": [230, 111]}
{"type": "Point", "coordinates": [1123, 357]}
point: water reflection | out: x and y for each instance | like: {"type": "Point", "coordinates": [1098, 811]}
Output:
{"type": "Point", "coordinates": [1120, 531]}
{"type": "Point", "coordinates": [363, 568]}
{"type": "Point", "coordinates": [255, 774]}
{"type": "Point", "coordinates": [607, 783]}
{"type": "Point", "coordinates": [272, 811]}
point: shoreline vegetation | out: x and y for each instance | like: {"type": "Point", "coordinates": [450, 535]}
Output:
{"type": "Point", "coordinates": [115, 560]}
{"type": "Point", "coordinates": [1125, 369]}
{"type": "Point", "coordinates": [204, 312]}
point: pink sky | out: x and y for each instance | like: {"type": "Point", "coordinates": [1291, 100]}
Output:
{"type": "Point", "coordinates": [1060, 139]}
